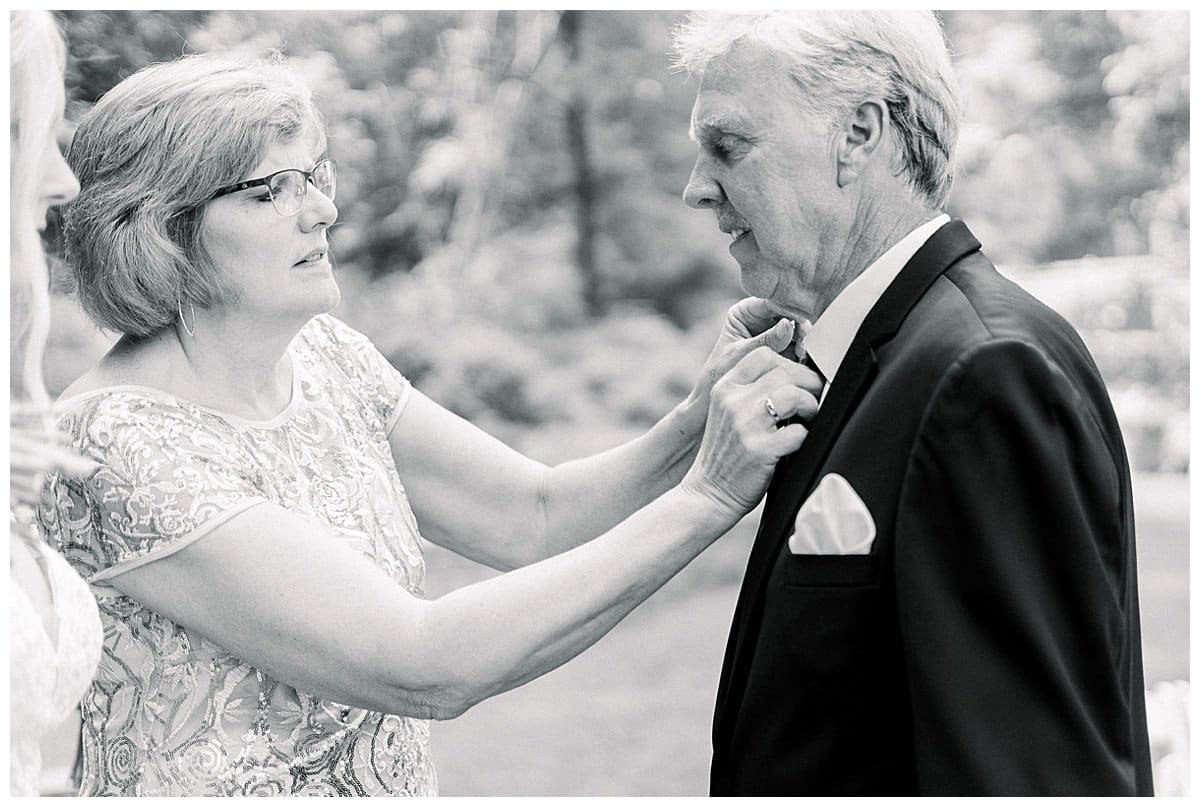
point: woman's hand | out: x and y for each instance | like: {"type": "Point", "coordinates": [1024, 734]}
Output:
{"type": "Point", "coordinates": [743, 438]}
{"type": "Point", "coordinates": [34, 453]}
{"type": "Point", "coordinates": [749, 324]}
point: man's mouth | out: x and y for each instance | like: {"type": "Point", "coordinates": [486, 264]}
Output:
{"type": "Point", "coordinates": [737, 234]}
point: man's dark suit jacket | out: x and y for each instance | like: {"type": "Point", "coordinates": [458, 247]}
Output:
{"type": "Point", "coordinates": [990, 642]}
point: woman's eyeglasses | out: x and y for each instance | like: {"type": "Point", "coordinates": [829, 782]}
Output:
{"type": "Point", "coordinates": [287, 188]}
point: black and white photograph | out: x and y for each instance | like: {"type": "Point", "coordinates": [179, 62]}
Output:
{"type": "Point", "coordinates": [504, 403]}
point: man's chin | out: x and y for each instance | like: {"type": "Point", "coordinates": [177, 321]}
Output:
{"type": "Point", "coordinates": [755, 284]}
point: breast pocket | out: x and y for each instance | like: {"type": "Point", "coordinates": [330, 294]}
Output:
{"type": "Point", "coordinates": [830, 571]}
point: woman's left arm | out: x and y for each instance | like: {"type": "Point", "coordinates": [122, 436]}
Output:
{"type": "Point", "coordinates": [476, 496]}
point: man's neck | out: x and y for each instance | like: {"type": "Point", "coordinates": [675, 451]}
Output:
{"type": "Point", "coordinates": [874, 230]}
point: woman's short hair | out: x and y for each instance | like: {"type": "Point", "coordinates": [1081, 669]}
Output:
{"type": "Point", "coordinates": [839, 58]}
{"type": "Point", "coordinates": [36, 60]}
{"type": "Point", "coordinates": [149, 156]}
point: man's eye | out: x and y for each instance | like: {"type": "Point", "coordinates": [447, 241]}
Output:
{"type": "Point", "coordinates": [726, 146]}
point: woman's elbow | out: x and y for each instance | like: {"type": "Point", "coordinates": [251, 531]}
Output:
{"type": "Point", "coordinates": [439, 681]}
{"type": "Point", "coordinates": [443, 702]}
{"type": "Point", "coordinates": [451, 707]}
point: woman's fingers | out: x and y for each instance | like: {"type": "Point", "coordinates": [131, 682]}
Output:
{"type": "Point", "coordinates": [780, 336]}
{"type": "Point", "coordinates": [789, 438]}
{"type": "Point", "coordinates": [34, 453]}
{"type": "Point", "coordinates": [744, 438]}
{"type": "Point", "coordinates": [750, 316]}
{"type": "Point", "coordinates": [755, 364]}
{"type": "Point", "coordinates": [70, 464]}
{"type": "Point", "coordinates": [31, 457]}
{"type": "Point", "coordinates": [763, 361]}
{"type": "Point", "coordinates": [777, 338]}
{"type": "Point", "coordinates": [789, 401]}
{"type": "Point", "coordinates": [25, 489]}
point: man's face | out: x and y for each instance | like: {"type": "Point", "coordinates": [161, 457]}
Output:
{"type": "Point", "coordinates": [770, 175]}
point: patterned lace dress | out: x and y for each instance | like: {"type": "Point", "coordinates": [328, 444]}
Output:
{"type": "Point", "coordinates": [169, 712]}
{"type": "Point", "coordinates": [47, 674]}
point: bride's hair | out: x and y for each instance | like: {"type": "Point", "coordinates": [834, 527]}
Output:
{"type": "Point", "coordinates": [37, 61]}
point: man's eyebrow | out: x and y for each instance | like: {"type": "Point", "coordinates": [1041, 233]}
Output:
{"type": "Point", "coordinates": [719, 123]}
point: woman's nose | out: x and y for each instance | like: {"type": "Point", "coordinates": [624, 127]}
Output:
{"type": "Point", "coordinates": [318, 210]}
{"type": "Point", "coordinates": [59, 184]}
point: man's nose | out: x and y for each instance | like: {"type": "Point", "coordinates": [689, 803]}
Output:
{"type": "Point", "coordinates": [702, 190]}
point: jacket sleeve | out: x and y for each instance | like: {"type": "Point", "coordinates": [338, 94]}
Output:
{"type": "Point", "coordinates": [1013, 553]}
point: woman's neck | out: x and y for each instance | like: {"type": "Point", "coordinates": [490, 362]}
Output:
{"type": "Point", "coordinates": [231, 362]}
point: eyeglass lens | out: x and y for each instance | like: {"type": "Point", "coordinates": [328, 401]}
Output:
{"type": "Point", "coordinates": [288, 188]}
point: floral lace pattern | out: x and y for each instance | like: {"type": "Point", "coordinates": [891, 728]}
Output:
{"type": "Point", "coordinates": [169, 712]}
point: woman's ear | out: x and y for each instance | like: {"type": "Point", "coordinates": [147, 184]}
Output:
{"type": "Point", "coordinates": [859, 140]}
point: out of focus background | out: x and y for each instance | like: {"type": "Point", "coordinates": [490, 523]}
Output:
{"type": "Point", "coordinates": [511, 236]}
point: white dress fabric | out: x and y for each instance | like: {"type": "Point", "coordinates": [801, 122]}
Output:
{"type": "Point", "coordinates": [47, 676]}
{"type": "Point", "coordinates": [170, 712]}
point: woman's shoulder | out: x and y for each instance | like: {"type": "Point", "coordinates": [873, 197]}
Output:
{"type": "Point", "coordinates": [339, 352]}
{"type": "Point", "coordinates": [111, 402]}
{"type": "Point", "coordinates": [98, 378]}
{"type": "Point", "coordinates": [126, 372]}
{"type": "Point", "coordinates": [329, 342]}
{"type": "Point", "coordinates": [328, 332]}
{"type": "Point", "coordinates": [113, 408]}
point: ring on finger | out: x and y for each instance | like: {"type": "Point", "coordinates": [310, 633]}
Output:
{"type": "Point", "coordinates": [770, 407]}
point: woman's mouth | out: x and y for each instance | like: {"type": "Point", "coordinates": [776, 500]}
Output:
{"type": "Point", "coordinates": [312, 258]}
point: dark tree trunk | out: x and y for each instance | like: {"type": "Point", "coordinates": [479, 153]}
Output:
{"type": "Point", "coordinates": [570, 27]}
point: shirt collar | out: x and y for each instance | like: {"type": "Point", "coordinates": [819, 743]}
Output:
{"type": "Point", "coordinates": [830, 336]}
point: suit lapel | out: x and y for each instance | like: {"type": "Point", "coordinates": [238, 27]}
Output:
{"type": "Point", "coordinates": [795, 475]}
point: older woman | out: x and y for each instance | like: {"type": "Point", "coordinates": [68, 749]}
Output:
{"type": "Point", "coordinates": [252, 532]}
{"type": "Point", "coordinates": [54, 628]}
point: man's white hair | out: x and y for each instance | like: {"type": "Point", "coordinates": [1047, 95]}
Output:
{"type": "Point", "coordinates": [838, 59]}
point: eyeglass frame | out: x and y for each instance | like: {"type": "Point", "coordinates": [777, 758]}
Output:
{"type": "Point", "coordinates": [254, 183]}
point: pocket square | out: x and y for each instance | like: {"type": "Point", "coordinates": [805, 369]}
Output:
{"type": "Point", "coordinates": [833, 521]}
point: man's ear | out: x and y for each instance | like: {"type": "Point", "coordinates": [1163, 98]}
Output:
{"type": "Point", "coordinates": [860, 139]}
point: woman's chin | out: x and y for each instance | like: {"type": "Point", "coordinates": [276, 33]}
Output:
{"type": "Point", "coordinates": [328, 298]}
{"type": "Point", "coordinates": [317, 298]}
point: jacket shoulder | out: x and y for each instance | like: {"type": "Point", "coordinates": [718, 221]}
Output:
{"type": "Point", "coordinates": [972, 304]}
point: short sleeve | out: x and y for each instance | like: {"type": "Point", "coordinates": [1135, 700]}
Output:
{"type": "Point", "coordinates": [383, 389]}
{"type": "Point", "coordinates": [167, 478]}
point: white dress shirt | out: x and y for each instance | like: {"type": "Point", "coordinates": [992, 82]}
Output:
{"type": "Point", "coordinates": [830, 336]}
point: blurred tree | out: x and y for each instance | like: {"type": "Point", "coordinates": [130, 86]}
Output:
{"type": "Point", "coordinates": [570, 27]}
{"type": "Point", "coordinates": [520, 170]}
{"type": "Point", "coordinates": [107, 46]}
{"type": "Point", "coordinates": [1076, 137]}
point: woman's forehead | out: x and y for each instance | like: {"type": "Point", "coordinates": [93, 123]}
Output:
{"type": "Point", "coordinates": [298, 153]}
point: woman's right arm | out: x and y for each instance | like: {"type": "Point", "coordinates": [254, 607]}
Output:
{"type": "Point", "coordinates": [283, 594]}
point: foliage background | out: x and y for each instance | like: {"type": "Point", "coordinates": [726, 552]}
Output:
{"type": "Point", "coordinates": [511, 236]}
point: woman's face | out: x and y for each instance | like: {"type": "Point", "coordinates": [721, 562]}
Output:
{"type": "Point", "coordinates": [279, 264]}
{"type": "Point", "coordinates": [58, 185]}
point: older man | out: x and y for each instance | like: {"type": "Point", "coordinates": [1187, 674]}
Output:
{"type": "Point", "coordinates": [942, 596]}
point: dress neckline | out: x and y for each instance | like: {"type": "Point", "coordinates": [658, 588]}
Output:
{"type": "Point", "coordinates": [162, 395]}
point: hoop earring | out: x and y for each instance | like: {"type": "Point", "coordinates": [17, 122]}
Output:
{"type": "Point", "coordinates": [179, 307]}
